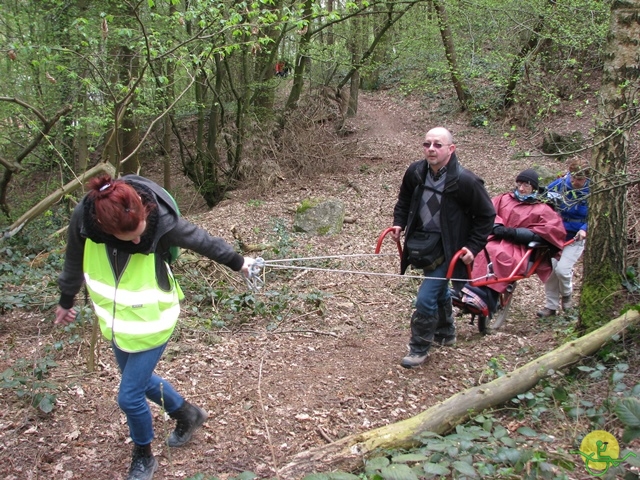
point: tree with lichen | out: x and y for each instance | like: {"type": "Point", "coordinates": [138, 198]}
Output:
{"type": "Point", "coordinates": [605, 254]}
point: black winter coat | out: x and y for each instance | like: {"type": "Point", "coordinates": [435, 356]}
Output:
{"type": "Point", "coordinates": [467, 213]}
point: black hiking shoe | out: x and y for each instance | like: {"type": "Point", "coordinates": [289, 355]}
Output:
{"type": "Point", "coordinates": [188, 419]}
{"type": "Point", "coordinates": [143, 466]}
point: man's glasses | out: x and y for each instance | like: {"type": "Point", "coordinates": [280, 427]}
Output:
{"type": "Point", "coordinates": [436, 145]}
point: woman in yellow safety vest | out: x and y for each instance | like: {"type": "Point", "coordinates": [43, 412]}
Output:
{"type": "Point", "coordinates": [120, 242]}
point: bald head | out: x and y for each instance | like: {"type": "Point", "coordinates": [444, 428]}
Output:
{"type": "Point", "coordinates": [438, 147]}
{"type": "Point", "coordinates": [442, 133]}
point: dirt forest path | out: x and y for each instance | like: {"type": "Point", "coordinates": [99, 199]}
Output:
{"type": "Point", "coordinates": [274, 389]}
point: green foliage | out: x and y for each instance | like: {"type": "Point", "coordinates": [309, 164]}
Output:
{"type": "Point", "coordinates": [597, 296]}
{"type": "Point", "coordinates": [567, 47]}
{"type": "Point", "coordinates": [482, 448]}
{"type": "Point", "coordinates": [26, 379]}
{"type": "Point", "coordinates": [495, 368]}
{"type": "Point", "coordinates": [30, 267]}
{"type": "Point", "coordinates": [306, 204]}
{"type": "Point", "coordinates": [631, 280]}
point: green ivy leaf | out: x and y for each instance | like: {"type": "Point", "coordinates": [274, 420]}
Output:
{"type": "Point", "coordinates": [500, 432]}
{"type": "Point", "coordinates": [376, 463]}
{"type": "Point", "coordinates": [46, 405]}
{"type": "Point", "coordinates": [435, 469]}
{"type": "Point", "coordinates": [510, 455]}
{"type": "Point", "coordinates": [246, 475]}
{"type": "Point", "coordinates": [560, 394]}
{"type": "Point", "coordinates": [465, 469]}
{"type": "Point", "coordinates": [527, 432]}
{"type": "Point", "coordinates": [576, 412]}
{"type": "Point", "coordinates": [508, 441]}
{"type": "Point", "coordinates": [628, 411]}
{"type": "Point", "coordinates": [630, 434]}
{"type": "Point", "coordinates": [398, 472]}
{"type": "Point", "coordinates": [617, 376]}
{"type": "Point", "coordinates": [631, 459]}
{"type": "Point", "coordinates": [437, 446]}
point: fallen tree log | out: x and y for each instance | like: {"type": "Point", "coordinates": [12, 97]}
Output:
{"type": "Point", "coordinates": [44, 205]}
{"type": "Point", "coordinates": [348, 454]}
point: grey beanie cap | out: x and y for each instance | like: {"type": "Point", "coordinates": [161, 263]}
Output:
{"type": "Point", "coordinates": [529, 176]}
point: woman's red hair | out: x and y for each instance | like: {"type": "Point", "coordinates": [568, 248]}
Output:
{"type": "Point", "coordinates": [118, 207]}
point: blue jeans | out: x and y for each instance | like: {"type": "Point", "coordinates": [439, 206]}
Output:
{"type": "Point", "coordinates": [433, 292]}
{"type": "Point", "coordinates": [138, 383]}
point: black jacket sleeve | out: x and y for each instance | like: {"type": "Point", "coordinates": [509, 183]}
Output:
{"type": "Point", "coordinates": [191, 237]}
{"type": "Point", "coordinates": [72, 277]}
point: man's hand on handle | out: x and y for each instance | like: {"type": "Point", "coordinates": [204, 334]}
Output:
{"type": "Point", "coordinates": [396, 233]}
{"type": "Point", "coordinates": [467, 257]}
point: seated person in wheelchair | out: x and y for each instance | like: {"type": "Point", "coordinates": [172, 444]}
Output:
{"type": "Point", "coordinates": [521, 218]}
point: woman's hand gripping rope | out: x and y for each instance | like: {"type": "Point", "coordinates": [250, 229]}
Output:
{"type": "Point", "coordinates": [251, 271]}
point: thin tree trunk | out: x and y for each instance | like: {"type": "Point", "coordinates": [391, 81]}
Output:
{"type": "Point", "coordinates": [447, 41]}
{"type": "Point", "coordinates": [605, 254]}
{"type": "Point", "coordinates": [168, 120]}
{"type": "Point", "coordinates": [356, 61]}
{"type": "Point", "coordinates": [347, 454]}
{"type": "Point", "coordinates": [301, 60]}
{"type": "Point", "coordinates": [518, 64]}
{"type": "Point", "coordinates": [129, 131]}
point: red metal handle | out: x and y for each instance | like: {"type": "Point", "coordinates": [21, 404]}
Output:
{"type": "Point", "coordinates": [384, 233]}
{"type": "Point", "coordinates": [452, 264]}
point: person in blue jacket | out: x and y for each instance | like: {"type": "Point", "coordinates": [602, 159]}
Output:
{"type": "Point", "coordinates": [569, 195]}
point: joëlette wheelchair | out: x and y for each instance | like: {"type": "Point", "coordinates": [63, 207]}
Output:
{"type": "Point", "coordinates": [487, 320]}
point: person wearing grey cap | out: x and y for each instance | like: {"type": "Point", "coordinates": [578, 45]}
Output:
{"type": "Point", "coordinates": [521, 217]}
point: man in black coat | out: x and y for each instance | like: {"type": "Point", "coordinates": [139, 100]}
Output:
{"type": "Point", "coordinates": [444, 208]}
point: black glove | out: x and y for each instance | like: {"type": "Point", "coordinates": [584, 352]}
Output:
{"type": "Point", "coordinates": [515, 235]}
{"type": "Point", "coordinates": [500, 231]}
{"type": "Point", "coordinates": [524, 236]}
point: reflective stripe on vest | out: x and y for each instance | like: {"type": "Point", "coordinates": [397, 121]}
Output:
{"type": "Point", "coordinates": [133, 310]}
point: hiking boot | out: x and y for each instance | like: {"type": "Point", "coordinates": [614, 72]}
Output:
{"type": "Point", "coordinates": [188, 419]}
{"type": "Point", "coordinates": [567, 302]}
{"type": "Point", "coordinates": [143, 463]}
{"type": "Point", "coordinates": [546, 312]}
{"type": "Point", "coordinates": [445, 341]}
{"type": "Point", "coordinates": [413, 360]}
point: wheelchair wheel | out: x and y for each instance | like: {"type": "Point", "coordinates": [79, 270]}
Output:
{"type": "Point", "coordinates": [497, 319]}
{"type": "Point", "coordinates": [483, 322]}
{"type": "Point", "coordinates": [501, 315]}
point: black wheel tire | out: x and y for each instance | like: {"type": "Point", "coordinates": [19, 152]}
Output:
{"type": "Point", "coordinates": [501, 315]}
{"type": "Point", "coordinates": [482, 324]}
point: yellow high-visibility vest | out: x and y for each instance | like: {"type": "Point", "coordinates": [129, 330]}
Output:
{"type": "Point", "coordinates": [132, 309]}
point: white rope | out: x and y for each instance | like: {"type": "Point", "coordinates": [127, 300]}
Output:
{"type": "Point", "coordinates": [255, 282]}
{"type": "Point", "coordinates": [271, 262]}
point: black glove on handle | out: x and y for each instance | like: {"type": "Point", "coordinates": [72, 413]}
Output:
{"type": "Point", "coordinates": [500, 231]}
{"type": "Point", "coordinates": [515, 235]}
{"type": "Point", "coordinates": [525, 236]}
